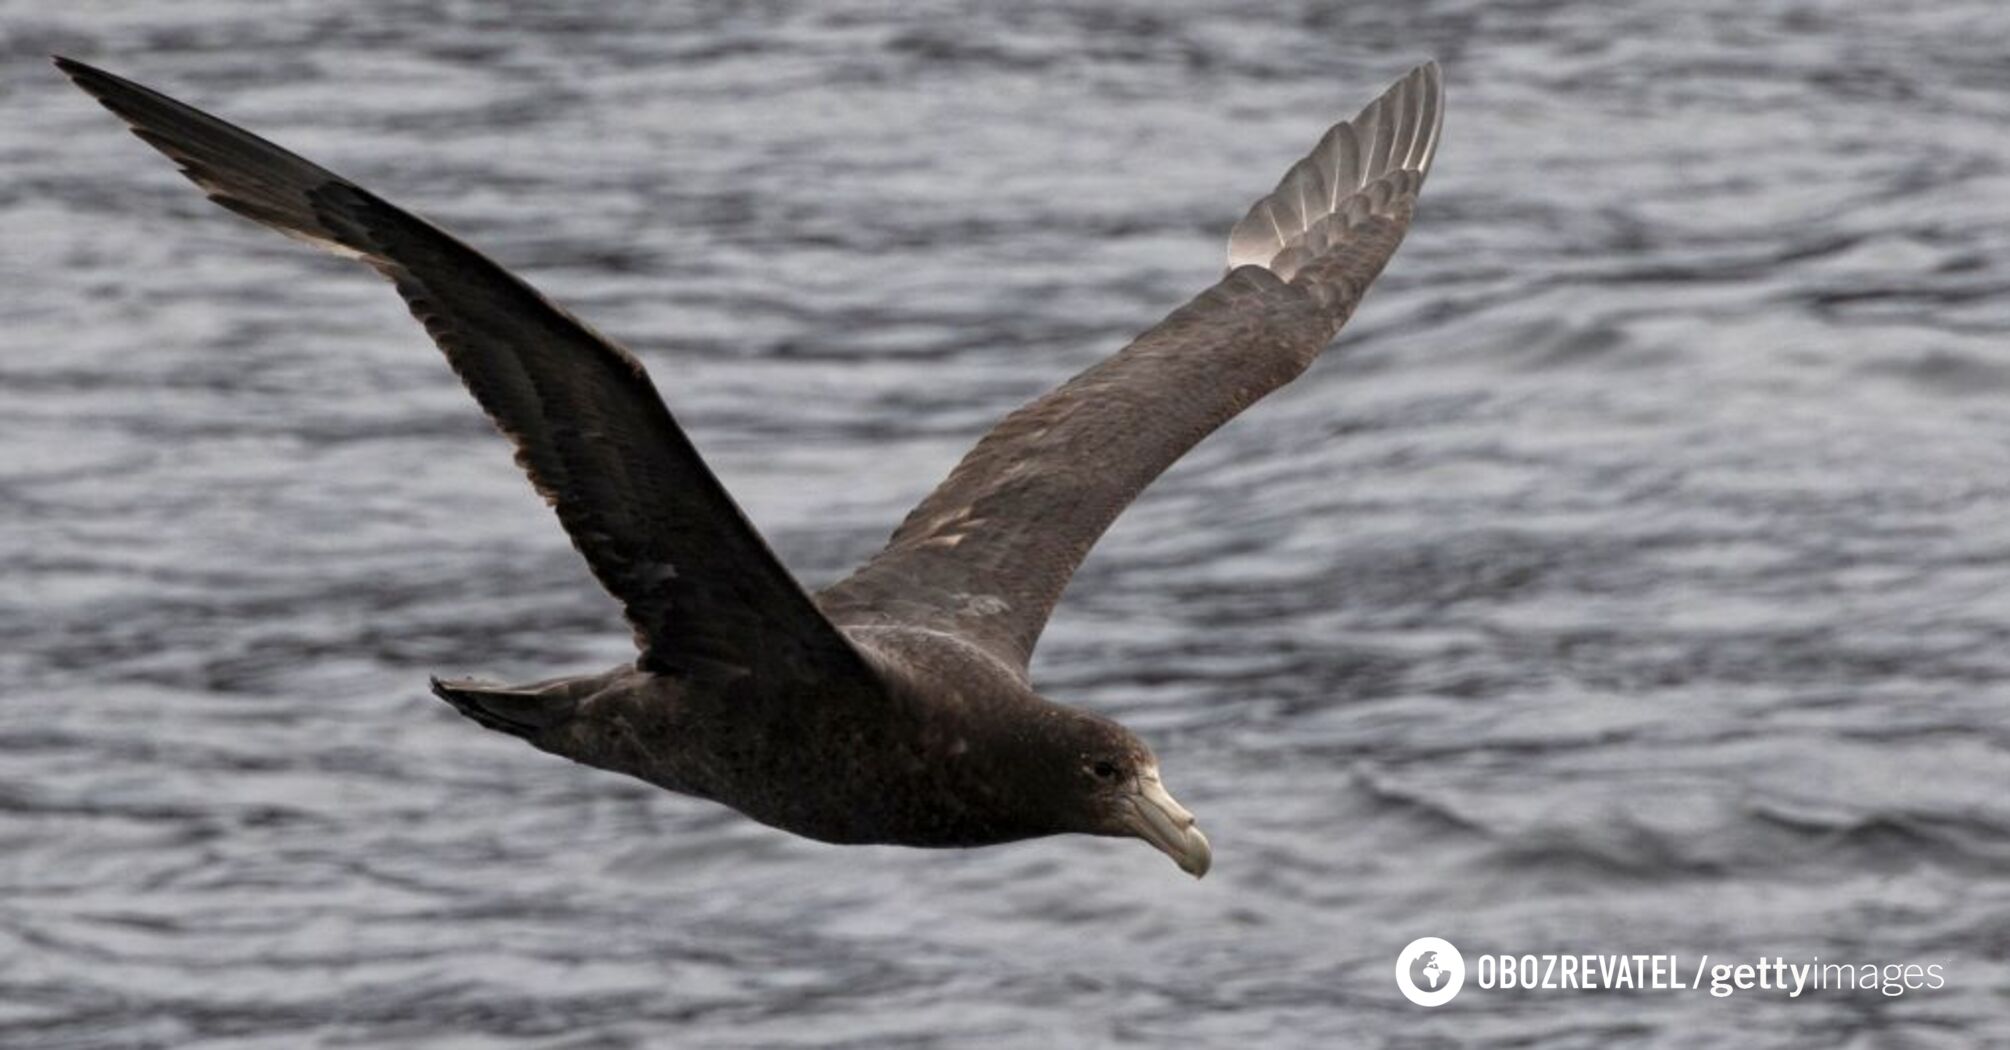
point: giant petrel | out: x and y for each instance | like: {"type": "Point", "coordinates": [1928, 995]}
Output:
{"type": "Point", "coordinates": [894, 706]}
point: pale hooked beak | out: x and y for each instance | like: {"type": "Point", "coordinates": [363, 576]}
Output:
{"type": "Point", "coordinates": [1160, 820]}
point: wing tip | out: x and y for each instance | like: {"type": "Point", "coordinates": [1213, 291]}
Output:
{"type": "Point", "coordinates": [239, 170]}
{"type": "Point", "coordinates": [94, 81]}
{"type": "Point", "coordinates": [1396, 133]}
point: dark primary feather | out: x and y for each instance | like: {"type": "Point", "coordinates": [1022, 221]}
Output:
{"type": "Point", "coordinates": [701, 588]}
{"type": "Point", "coordinates": [986, 556]}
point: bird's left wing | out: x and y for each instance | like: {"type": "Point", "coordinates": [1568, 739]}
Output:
{"type": "Point", "coordinates": [699, 585]}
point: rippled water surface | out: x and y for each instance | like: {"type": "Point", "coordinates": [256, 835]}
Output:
{"type": "Point", "coordinates": [1633, 577]}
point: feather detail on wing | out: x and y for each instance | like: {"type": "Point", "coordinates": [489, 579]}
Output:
{"type": "Point", "coordinates": [700, 586]}
{"type": "Point", "coordinates": [1394, 136]}
{"type": "Point", "coordinates": [986, 556]}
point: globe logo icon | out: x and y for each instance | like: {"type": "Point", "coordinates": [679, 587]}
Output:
{"type": "Point", "coordinates": [1425, 972]}
{"type": "Point", "coordinates": [1429, 971]}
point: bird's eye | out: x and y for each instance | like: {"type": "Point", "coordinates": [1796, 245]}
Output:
{"type": "Point", "coordinates": [1106, 770]}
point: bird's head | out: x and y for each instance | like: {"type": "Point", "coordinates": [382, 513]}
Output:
{"type": "Point", "coordinates": [1023, 766]}
{"type": "Point", "coordinates": [1102, 780]}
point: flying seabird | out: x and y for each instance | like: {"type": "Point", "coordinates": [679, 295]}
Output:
{"type": "Point", "coordinates": [894, 706]}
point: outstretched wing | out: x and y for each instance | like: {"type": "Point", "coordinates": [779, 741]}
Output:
{"type": "Point", "coordinates": [988, 553]}
{"type": "Point", "coordinates": [701, 588]}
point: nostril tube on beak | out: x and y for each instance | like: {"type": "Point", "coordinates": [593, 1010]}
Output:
{"type": "Point", "coordinates": [1159, 819]}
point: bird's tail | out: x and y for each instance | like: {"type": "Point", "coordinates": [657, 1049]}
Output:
{"type": "Point", "coordinates": [1363, 169]}
{"type": "Point", "coordinates": [525, 711]}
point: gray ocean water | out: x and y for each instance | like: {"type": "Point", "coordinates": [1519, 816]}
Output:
{"type": "Point", "coordinates": [1633, 577]}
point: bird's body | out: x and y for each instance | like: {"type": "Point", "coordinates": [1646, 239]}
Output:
{"type": "Point", "coordinates": [911, 762]}
{"type": "Point", "coordinates": [894, 706]}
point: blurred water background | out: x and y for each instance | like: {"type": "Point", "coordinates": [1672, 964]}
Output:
{"type": "Point", "coordinates": [1633, 577]}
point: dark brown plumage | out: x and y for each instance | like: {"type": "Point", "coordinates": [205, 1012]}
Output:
{"type": "Point", "coordinates": [895, 706]}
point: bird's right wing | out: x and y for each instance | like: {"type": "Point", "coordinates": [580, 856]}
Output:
{"type": "Point", "coordinates": [987, 554]}
{"type": "Point", "coordinates": [700, 586]}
